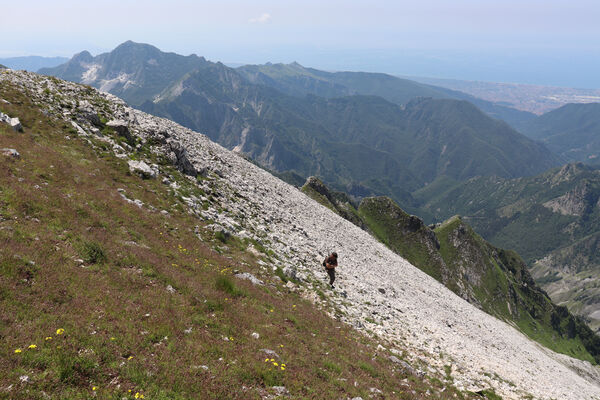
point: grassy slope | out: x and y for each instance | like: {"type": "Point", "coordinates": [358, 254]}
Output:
{"type": "Point", "coordinates": [123, 331]}
{"type": "Point", "coordinates": [388, 224]}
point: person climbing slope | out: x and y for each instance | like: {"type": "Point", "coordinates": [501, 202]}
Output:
{"type": "Point", "coordinates": [330, 263]}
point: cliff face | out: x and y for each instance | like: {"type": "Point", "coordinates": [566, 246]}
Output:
{"type": "Point", "coordinates": [378, 291]}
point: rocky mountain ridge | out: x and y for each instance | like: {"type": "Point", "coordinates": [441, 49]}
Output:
{"type": "Point", "coordinates": [379, 292]}
{"type": "Point", "coordinates": [296, 80]}
{"type": "Point", "coordinates": [363, 144]}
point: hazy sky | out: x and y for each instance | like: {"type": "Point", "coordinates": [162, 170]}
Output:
{"type": "Point", "coordinates": [535, 41]}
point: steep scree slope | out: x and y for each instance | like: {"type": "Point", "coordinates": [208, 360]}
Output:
{"type": "Point", "coordinates": [379, 291]}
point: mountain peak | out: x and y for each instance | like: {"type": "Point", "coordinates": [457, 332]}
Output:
{"type": "Point", "coordinates": [82, 56]}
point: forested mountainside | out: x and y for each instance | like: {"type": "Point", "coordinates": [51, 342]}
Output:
{"type": "Point", "coordinates": [572, 131]}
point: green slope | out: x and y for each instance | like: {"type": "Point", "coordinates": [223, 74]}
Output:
{"type": "Point", "coordinates": [571, 131]}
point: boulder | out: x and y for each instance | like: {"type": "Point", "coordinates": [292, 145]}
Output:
{"type": "Point", "coordinates": [406, 366]}
{"type": "Point", "coordinates": [248, 276]}
{"type": "Point", "coordinates": [122, 129]}
{"type": "Point", "coordinates": [87, 112]}
{"type": "Point", "coordinates": [182, 161]}
{"type": "Point", "coordinates": [10, 153]}
{"type": "Point", "coordinates": [142, 169]}
{"type": "Point", "coordinates": [12, 122]}
{"type": "Point", "coordinates": [15, 124]}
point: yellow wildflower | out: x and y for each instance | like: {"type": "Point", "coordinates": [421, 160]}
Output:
{"type": "Point", "coordinates": [48, 338]}
{"type": "Point", "coordinates": [283, 368]}
{"type": "Point", "coordinates": [32, 346]}
{"type": "Point", "coordinates": [113, 338]}
{"type": "Point", "coordinates": [282, 364]}
{"type": "Point", "coordinates": [294, 306]}
{"type": "Point", "coordinates": [280, 345]}
{"type": "Point", "coordinates": [18, 351]}
{"type": "Point", "coordinates": [272, 359]}
{"type": "Point", "coordinates": [271, 310]}
{"type": "Point", "coordinates": [94, 388]}
{"type": "Point", "coordinates": [60, 331]}
{"type": "Point", "coordinates": [130, 357]}
{"type": "Point", "coordinates": [275, 364]}
{"type": "Point", "coordinates": [266, 359]}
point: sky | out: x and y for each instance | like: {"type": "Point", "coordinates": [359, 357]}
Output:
{"type": "Point", "coordinates": [528, 41]}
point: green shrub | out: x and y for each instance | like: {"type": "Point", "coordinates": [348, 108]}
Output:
{"type": "Point", "coordinates": [93, 253]}
{"type": "Point", "coordinates": [225, 284]}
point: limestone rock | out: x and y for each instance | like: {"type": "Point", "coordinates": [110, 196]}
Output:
{"type": "Point", "coordinates": [182, 161]}
{"type": "Point", "coordinates": [10, 153]}
{"type": "Point", "coordinates": [12, 122]}
{"type": "Point", "coordinates": [87, 112]}
{"type": "Point", "coordinates": [248, 276]}
{"type": "Point", "coordinates": [270, 353]}
{"type": "Point", "coordinates": [142, 169]}
{"type": "Point", "coordinates": [122, 129]}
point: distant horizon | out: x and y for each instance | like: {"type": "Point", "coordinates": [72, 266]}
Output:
{"type": "Point", "coordinates": [542, 42]}
{"type": "Point", "coordinates": [415, 65]}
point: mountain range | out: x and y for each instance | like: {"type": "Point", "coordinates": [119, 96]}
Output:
{"type": "Point", "coordinates": [360, 143]}
{"type": "Point", "coordinates": [294, 79]}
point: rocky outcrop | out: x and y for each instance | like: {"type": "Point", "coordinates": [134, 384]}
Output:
{"type": "Point", "coordinates": [434, 325]}
{"type": "Point", "coordinates": [10, 153]}
{"type": "Point", "coordinates": [583, 198]}
{"type": "Point", "coordinates": [339, 202]}
{"type": "Point", "coordinates": [120, 126]}
{"type": "Point", "coordinates": [181, 159]}
{"type": "Point", "coordinates": [142, 169]}
{"type": "Point", "coordinates": [14, 123]}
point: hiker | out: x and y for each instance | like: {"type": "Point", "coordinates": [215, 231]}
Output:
{"type": "Point", "coordinates": [330, 263]}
